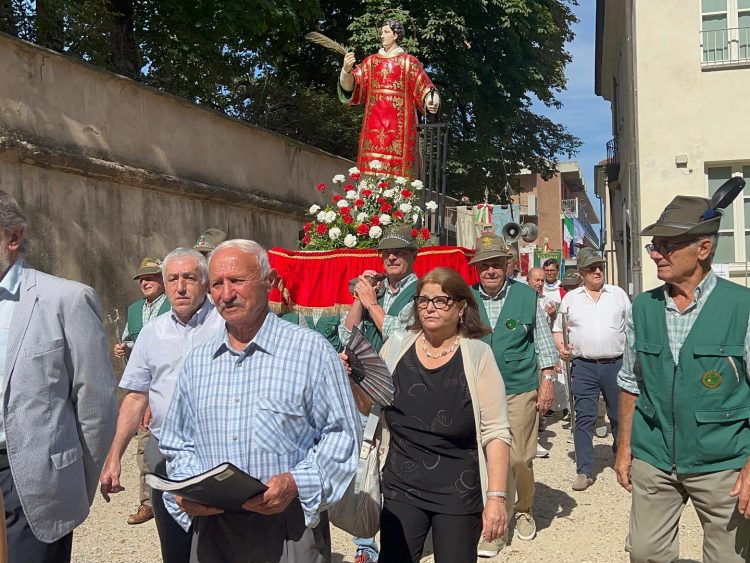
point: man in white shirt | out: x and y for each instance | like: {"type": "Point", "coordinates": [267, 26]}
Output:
{"type": "Point", "coordinates": [150, 377]}
{"type": "Point", "coordinates": [552, 293]}
{"type": "Point", "coordinates": [596, 315]}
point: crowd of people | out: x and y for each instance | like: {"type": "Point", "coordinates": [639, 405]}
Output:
{"type": "Point", "coordinates": [212, 375]}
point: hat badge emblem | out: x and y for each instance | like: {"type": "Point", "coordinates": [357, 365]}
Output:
{"type": "Point", "coordinates": [486, 243]}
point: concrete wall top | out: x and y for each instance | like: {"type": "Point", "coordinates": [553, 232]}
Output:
{"type": "Point", "coordinates": [49, 96]}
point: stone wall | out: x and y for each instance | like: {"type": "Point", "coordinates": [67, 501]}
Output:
{"type": "Point", "coordinates": [108, 171]}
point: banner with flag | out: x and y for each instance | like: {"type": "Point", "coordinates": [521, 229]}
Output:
{"type": "Point", "coordinates": [568, 237]}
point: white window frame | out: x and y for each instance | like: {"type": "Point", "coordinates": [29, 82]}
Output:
{"type": "Point", "coordinates": [734, 32]}
{"type": "Point", "coordinates": [741, 223]}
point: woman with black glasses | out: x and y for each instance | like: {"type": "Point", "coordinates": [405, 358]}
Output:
{"type": "Point", "coordinates": [447, 463]}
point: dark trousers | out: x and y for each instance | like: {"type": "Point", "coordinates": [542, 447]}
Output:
{"type": "Point", "coordinates": [403, 529]}
{"type": "Point", "coordinates": [22, 544]}
{"type": "Point", "coordinates": [589, 379]}
{"type": "Point", "coordinates": [174, 541]}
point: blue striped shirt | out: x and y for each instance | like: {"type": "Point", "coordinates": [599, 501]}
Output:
{"type": "Point", "coordinates": [281, 405]}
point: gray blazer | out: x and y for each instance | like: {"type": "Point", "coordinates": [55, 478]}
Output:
{"type": "Point", "coordinates": [59, 399]}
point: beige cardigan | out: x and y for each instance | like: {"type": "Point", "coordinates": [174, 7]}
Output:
{"type": "Point", "coordinates": [486, 388]}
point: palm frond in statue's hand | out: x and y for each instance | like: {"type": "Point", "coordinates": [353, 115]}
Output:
{"type": "Point", "coordinates": [328, 43]}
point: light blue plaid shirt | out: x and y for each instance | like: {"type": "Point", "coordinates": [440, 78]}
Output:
{"type": "Point", "coordinates": [679, 325]}
{"type": "Point", "coordinates": [281, 405]}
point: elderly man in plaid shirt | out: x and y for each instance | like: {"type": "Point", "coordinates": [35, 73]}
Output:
{"type": "Point", "coordinates": [273, 399]}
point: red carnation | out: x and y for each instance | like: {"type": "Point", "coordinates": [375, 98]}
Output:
{"type": "Point", "coordinates": [426, 234]}
{"type": "Point", "coordinates": [307, 227]}
{"type": "Point", "coordinates": [363, 229]}
{"type": "Point", "coordinates": [414, 233]}
{"type": "Point", "coordinates": [381, 200]}
{"type": "Point", "coordinates": [321, 229]}
{"type": "Point", "coordinates": [366, 192]}
{"type": "Point", "coordinates": [386, 207]}
{"type": "Point", "coordinates": [383, 185]}
{"type": "Point", "coordinates": [348, 187]}
{"type": "Point", "coordinates": [337, 197]}
{"type": "Point", "coordinates": [375, 221]}
{"type": "Point", "coordinates": [355, 176]}
{"type": "Point", "coordinates": [306, 240]}
{"type": "Point", "coordinates": [398, 215]}
{"type": "Point", "coordinates": [321, 187]}
{"type": "Point", "coordinates": [344, 211]}
{"type": "Point", "coordinates": [359, 203]}
{"type": "Point", "coordinates": [405, 193]}
{"type": "Point", "coordinates": [348, 219]}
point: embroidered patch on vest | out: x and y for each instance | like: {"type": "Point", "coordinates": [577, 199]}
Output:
{"type": "Point", "coordinates": [711, 379]}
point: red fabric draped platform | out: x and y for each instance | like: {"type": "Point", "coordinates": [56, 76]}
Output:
{"type": "Point", "coordinates": [320, 279]}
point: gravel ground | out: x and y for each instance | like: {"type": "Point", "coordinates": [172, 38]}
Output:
{"type": "Point", "coordinates": [588, 526]}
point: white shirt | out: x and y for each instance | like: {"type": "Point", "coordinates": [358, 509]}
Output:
{"type": "Point", "coordinates": [552, 292]}
{"type": "Point", "coordinates": [596, 328]}
{"type": "Point", "coordinates": [159, 353]}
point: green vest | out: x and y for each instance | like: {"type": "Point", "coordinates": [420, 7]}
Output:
{"type": "Point", "coordinates": [403, 299]}
{"type": "Point", "coordinates": [512, 338]}
{"type": "Point", "coordinates": [693, 416]}
{"type": "Point", "coordinates": [327, 325]}
{"type": "Point", "coordinates": [135, 317]}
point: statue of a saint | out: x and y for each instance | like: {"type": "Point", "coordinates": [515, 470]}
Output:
{"type": "Point", "coordinates": [393, 86]}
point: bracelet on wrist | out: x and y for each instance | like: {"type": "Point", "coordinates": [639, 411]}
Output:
{"type": "Point", "coordinates": [498, 499]}
{"type": "Point", "coordinates": [497, 494]}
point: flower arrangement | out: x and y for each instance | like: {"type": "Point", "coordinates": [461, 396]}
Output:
{"type": "Point", "coordinates": [357, 216]}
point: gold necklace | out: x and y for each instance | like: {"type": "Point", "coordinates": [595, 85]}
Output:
{"type": "Point", "coordinates": [441, 354]}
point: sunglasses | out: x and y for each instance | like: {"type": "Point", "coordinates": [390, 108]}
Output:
{"type": "Point", "coordinates": [594, 268]}
{"type": "Point", "coordinates": [665, 248]}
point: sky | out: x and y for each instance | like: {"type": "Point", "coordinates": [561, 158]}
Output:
{"type": "Point", "coordinates": [585, 115]}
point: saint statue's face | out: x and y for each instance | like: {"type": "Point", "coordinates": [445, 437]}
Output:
{"type": "Point", "coordinates": [387, 37]}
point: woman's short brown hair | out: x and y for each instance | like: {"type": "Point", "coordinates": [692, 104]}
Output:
{"type": "Point", "coordinates": [454, 285]}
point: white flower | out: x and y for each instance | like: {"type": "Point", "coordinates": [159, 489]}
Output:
{"type": "Point", "coordinates": [375, 232]}
{"type": "Point", "coordinates": [405, 207]}
{"type": "Point", "coordinates": [330, 217]}
{"type": "Point", "coordinates": [342, 203]}
{"type": "Point", "coordinates": [376, 165]}
{"type": "Point", "coordinates": [361, 217]}
{"type": "Point", "coordinates": [400, 181]}
{"type": "Point", "coordinates": [321, 217]}
{"type": "Point", "coordinates": [363, 184]}
{"type": "Point", "coordinates": [352, 171]}
{"type": "Point", "coordinates": [351, 194]}
{"type": "Point", "coordinates": [314, 209]}
{"type": "Point", "coordinates": [431, 206]}
{"type": "Point", "coordinates": [388, 192]}
{"type": "Point", "coordinates": [417, 184]}
{"type": "Point", "coordinates": [350, 240]}
{"type": "Point", "coordinates": [339, 179]}
{"type": "Point", "coordinates": [415, 217]}
{"type": "Point", "coordinates": [385, 219]}
{"type": "Point", "coordinates": [334, 233]}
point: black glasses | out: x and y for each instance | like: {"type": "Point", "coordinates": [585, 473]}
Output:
{"type": "Point", "coordinates": [440, 302]}
{"type": "Point", "coordinates": [665, 248]}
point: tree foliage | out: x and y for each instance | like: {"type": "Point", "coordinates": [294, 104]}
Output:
{"type": "Point", "coordinates": [490, 59]}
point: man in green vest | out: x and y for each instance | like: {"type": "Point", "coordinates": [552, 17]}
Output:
{"type": "Point", "coordinates": [327, 325]}
{"type": "Point", "coordinates": [522, 342]}
{"type": "Point", "coordinates": [685, 396]}
{"type": "Point", "coordinates": [380, 308]}
{"type": "Point", "coordinates": [153, 304]}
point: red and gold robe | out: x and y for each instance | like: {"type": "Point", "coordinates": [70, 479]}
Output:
{"type": "Point", "coordinates": [392, 89]}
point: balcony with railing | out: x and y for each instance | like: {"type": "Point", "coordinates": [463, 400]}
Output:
{"type": "Point", "coordinates": [573, 209]}
{"type": "Point", "coordinates": [613, 161]}
{"type": "Point", "coordinates": [725, 47]}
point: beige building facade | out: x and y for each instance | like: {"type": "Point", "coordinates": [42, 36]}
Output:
{"type": "Point", "coordinates": [676, 73]}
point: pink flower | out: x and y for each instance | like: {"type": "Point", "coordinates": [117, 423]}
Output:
{"type": "Point", "coordinates": [321, 187]}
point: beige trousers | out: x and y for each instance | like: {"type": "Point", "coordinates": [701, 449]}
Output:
{"type": "Point", "coordinates": [524, 429]}
{"type": "Point", "coordinates": [143, 491]}
{"type": "Point", "coordinates": [658, 500]}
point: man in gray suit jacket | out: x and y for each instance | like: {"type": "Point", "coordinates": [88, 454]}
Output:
{"type": "Point", "coordinates": [57, 416]}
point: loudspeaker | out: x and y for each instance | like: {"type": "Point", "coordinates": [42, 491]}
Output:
{"type": "Point", "coordinates": [511, 232]}
{"type": "Point", "coordinates": [529, 232]}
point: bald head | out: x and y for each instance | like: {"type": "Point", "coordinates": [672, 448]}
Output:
{"type": "Point", "coordinates": [535, 278]}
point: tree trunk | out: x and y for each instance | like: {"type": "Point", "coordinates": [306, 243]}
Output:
{"type": "Point", "coordinates": [7, 19]}
{"type": "Point", "coordinates": [50, 25]}
{"type": "Point", "coordinates": [124, 56]}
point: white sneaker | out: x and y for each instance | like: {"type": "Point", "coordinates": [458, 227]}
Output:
{"type": "Point", "coordinates": [490, 548]}
{"type": "Point", "coordinates": [541, 452]}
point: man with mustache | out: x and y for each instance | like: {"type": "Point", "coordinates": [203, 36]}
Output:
{"type": "Point", "coordinates": [273, 399]}
{"type": "Point", "coordinates": [150, 376]}
{"type": "Point", "coordinates": [596, 316]}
